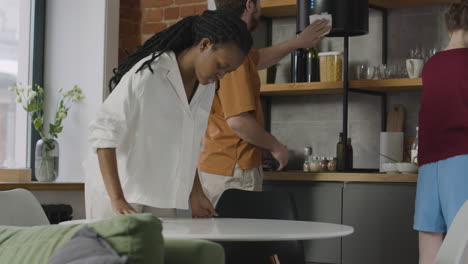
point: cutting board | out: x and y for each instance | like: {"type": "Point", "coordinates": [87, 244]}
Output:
{"type": "Point", "coordinates": [396, 118]}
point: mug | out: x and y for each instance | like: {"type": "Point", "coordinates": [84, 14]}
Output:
{"type": "Point", "coordinates": [414, 67]}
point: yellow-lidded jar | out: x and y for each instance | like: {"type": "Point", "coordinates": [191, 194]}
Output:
{"type": "Point", "coordinates": [331, 66]}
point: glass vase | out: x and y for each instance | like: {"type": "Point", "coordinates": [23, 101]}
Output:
{"type": "Point", "coordinates": [46, 160]}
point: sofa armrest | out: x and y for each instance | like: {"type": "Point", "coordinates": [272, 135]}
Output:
{"type": "Point", "coordinates": [190, 251]}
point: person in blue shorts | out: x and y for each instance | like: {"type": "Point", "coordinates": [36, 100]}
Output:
{"type": "Point", "coordinates": [443, 137]}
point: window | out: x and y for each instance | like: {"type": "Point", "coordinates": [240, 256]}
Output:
{"type": "Point", "coordinates": [15, 29]}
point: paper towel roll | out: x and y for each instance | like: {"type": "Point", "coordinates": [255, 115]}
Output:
{"type": "Point", "coordinates": [391, 145]}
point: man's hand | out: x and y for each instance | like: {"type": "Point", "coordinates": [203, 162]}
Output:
{"type": "Point", "coordinates": [312, 34]}
{"type": "Point", "coordinates": [201, 206]}
{"type": "Point", "coordinates": [280, 153]}
{"type": "Point", "coordinates": [121, 206]}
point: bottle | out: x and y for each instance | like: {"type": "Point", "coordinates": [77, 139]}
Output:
{"type": "Point", "coordinates": [313, 66]}
{"type": "Point", "coordinates": [340, 153]}
{"type": "Point", "coordinates": [307, 154]}
{"type": "Point", "coordinates": [299, 61]}
{"type": "Point", "coordinates": [299, 66]}
{"type": "Point", "coordinates": [349, 161]}
{"type": "Point", "coordinates": [414, 148]}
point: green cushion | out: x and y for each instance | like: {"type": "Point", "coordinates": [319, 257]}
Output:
{"type": "Point", "coordinates": [137, 236]}
{"type": "Point", "coordinates": [192, 251]}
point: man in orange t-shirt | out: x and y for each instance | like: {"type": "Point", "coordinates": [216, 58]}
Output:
{"type": "Point", "coordinates": [235, 136]}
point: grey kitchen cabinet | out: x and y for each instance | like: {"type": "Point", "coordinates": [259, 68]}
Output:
{"type": "Point", "coordinates": [380, 213]}
{"type": "Point", "coordinates": [382, 217]}
{"type": "Point", "coordinates": [320, 202]}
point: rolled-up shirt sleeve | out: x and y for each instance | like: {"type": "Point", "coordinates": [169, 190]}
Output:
{"type": "Point", "coordinates": [114, 117]}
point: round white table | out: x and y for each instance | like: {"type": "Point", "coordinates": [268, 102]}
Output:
{"type": "Point", "coordinates": [239, 229]}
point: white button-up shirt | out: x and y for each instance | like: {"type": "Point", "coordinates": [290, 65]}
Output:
{"type": "Point", "coordinates": [156, 132]}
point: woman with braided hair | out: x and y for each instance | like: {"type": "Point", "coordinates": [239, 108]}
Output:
{"type": "Point", "coordinates": [148, 132]}
{"type": "Point", "coordinates": [443, 137]}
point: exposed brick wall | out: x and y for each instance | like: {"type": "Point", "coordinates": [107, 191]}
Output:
{"type": "Point", "coordinates": [129, 26]}
{"type": "Point", "coordinates": [141, 19]}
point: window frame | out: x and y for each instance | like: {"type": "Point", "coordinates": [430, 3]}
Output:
{"type": "Point", "coordinates": [37, 67]}
{"type": "Point", "coordinates": [30, 71]}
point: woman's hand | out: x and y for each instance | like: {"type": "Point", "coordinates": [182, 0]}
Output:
{"type": "Point", "coordinates": [121, 206]}
{"type": "Point", "coordinates": [201, 206]}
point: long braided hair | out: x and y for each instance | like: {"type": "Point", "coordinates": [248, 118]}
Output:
{"type": "Point", "coordinates": [220, 26]}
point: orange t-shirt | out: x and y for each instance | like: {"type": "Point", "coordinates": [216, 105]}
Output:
{"type": "Point", "coordinates": [239, 92]}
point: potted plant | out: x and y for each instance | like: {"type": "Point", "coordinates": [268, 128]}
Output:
{"type": "Point", "coordinates": [47, 148]}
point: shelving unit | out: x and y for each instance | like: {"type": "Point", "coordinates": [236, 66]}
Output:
{"type": "Point", "coordinates": [381, 86]}
{"type": "Point", "coordinates": [285, 8]}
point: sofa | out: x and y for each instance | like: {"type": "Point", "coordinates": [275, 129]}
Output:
{"type": "Point", "coordinates": [137, 236]}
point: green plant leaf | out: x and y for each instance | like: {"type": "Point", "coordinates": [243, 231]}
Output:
{"type": "Point", "coordinates": [38, 123]}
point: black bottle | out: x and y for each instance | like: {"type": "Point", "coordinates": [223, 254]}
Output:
{"type": "Point", "coordinates": [299, 66]}
{"type": "Point", "coordinates": [313, 66]}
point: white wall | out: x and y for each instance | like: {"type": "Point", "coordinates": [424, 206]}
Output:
{"type": "Point", "coordinates": [81, 45]}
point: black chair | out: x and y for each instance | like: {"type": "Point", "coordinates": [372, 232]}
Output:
{"type": "Point", "coordinates": [235, 203]}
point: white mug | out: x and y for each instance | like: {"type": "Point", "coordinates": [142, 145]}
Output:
{"type": "Point", "coordinates": [414, 67]}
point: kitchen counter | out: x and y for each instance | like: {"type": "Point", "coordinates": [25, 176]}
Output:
{"type": "Point", "coordinates": [340, 177]}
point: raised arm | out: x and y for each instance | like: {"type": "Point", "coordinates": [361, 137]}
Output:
{"type": "Point", "coordinates": [308, 38]}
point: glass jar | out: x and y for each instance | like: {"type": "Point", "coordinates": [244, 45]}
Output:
{"type": "Point", "coordinates": [307, 155]}
{"type": "Point", "coordinates": [331, 66]}
{"type": "Point", "coordinates": [414, 148]}
{"type": "Point", "coordinates": [332, 164]}
{"type": "Point", "coordinates": [323, 164]}
{"type": "Point", "coordinates": [314, 165]}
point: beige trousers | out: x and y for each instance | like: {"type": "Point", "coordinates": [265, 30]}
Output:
{"type": "Point", "coordinates": [98, 206]}
{"type": "Point", "coordinates": [214, 185]}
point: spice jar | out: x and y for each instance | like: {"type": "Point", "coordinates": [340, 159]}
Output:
{"type": "Point", "coordinates": [331, 66]}
{"type": "Point", "coordinates": [314, 165]}
{"type": "Point", "coordinates": [323, 164]}
{"type": "Point", "coordinates": [332, 164]}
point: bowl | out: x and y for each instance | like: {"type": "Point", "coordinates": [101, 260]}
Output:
{"type": "Point", "coordinates": [407, 167]}
{"type": "Point", "coordinates": [389, 167]}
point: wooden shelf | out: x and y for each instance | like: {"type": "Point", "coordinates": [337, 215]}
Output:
{"type": "Point", "coordinates": [407, 3]}
{"type": "Point", "coordinates": [278, 8]}
{"type": "Point", "coordinates": [15, 175]}
{"type": "Point", "coordinates": [340, 177]}
{"type": "Point", "coordinates": [301, 88]}
{"type": "Point", "coordinates": [388, 85]}
{"type": "Point", "coordinates": [44, 186]}
{"type": "Point", "coordinates": [285, 8]}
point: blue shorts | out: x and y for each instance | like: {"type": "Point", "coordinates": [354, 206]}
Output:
{"type": "Point", "coordinates": [441, 190]}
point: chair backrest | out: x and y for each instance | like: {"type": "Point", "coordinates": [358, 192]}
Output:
{"type": "Point", "coordinates": [19, 207]}
{"type": "Point", "coordinates": [235, 203]}
{"type": "Point", "coordinates": [454, 249]}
